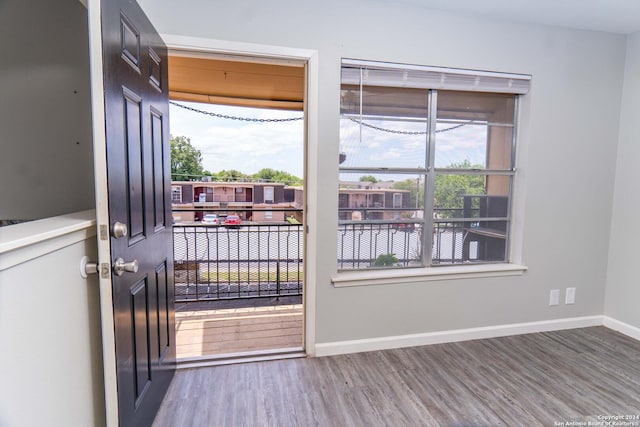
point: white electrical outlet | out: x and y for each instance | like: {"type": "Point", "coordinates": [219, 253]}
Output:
{"type": "Point", "coordinates": [554, 297]}
{"type": "Point", "coordinates": [570, 296]}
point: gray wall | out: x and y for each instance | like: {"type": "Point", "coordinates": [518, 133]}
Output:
{"type": "Point", "coordinates": [46, 160]}
{"type": "Point", "coordinates": [566, 156]}
{"type": "Point", "coordinates": [623, 292]}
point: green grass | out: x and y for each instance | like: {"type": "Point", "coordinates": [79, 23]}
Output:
{"type": "Point", "coordinates": [251, 276]}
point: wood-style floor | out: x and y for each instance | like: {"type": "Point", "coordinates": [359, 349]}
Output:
{"type": "Point", "coordinates": [526, 380]}
{"type": "Point", "coordinates": [237, 330]}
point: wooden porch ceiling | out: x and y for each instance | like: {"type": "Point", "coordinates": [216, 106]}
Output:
{"type": "Point", "coordinates": [240, 83]}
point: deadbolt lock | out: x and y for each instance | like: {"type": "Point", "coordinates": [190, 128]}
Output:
{"type": "Point", "coordinates": [119, 230]}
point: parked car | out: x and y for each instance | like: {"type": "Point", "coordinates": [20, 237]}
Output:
{"type": "Point", "coordinates": [232, 221]}
{"type": "Point", "coordinates": [403, 226]}
{"type": "Point", "coordinates": [210, 219]}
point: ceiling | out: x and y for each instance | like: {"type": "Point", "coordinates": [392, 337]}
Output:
{"type": "Point", "coordinates": [236, 82]}
{"type": "Point", "coordinates": [614, 16]}
{"type": "Point", "coordinates": [271, 85]}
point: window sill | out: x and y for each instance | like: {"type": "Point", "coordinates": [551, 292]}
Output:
{"type": "Point", "coordinates": [411, 275]}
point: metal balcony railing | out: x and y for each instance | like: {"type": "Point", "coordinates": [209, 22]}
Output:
{"type": "Point", "coordinates": [458, 236]}
{"type": "Point", "coordinates": [366, 244]}
{"type": "Point", "coordinates": [214, 262]}
{"type": "Point", "coordinates": [363, 244]}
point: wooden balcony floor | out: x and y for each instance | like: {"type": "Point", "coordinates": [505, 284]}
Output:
{"type": "Point", "coordinates": [235, 330]}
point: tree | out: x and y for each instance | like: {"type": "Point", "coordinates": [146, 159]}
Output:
{"type": "Point", "coordinates": [272, 175]}
{"type": "Point", "coordinates": [230, 175]}
{"type": "Point", "coordinates": [449, 189]}
{"type": "Point", "coordinates": [368, 178]}
{"type": "Point", "coordinates": [266, 174]}
{"type": "Point", "coordinates": [186, 160]}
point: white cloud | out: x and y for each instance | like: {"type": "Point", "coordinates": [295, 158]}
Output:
{"type": "Point", "coordinates": [242, 145]}
{"type": "Point", "coordinates": [251, 146]}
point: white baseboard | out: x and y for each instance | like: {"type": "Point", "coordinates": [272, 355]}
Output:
{"type": "Point", "coordinates": [623, 328]}
{"type": "Point", "coordinates": [385, 343]}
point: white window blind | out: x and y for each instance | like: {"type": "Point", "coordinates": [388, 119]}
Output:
{"type": "Point", "coordinates": [426, 77]}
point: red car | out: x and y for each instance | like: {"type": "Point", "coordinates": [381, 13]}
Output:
{"type": "Point", "coordinates": [403, 226]}
{"type": "Point", "coordinates": [232, 221]}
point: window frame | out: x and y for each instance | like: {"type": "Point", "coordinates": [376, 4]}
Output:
{"type": "Point", "coordinates": [269, 189]}
{"type": "Point", "coordinates": [428, 174]}
{"type": "Point", "coordinates": [397, 196]}
{"type": "Point", "coordinates": [174, 192]}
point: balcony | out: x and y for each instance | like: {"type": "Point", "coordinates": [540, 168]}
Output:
{"type": "Point", "coordinates": [365, 244]}
{"type": "Point", "coordinates": [244, 284]}
{"type": "Point", "coordinates": [206, 204]}
{"type": "Point", "coordinates": [239, 204]}
{"type": "Point", "coordinates": [237, 289]}
{"type": "Point", "coordinates": [237, 329]}
{"type": "Point", "coordinates": [475, 233]}
{"type": "Point", "coordinates": [257, 261]}
{"type": "Point", "coordinates": [252, 261]}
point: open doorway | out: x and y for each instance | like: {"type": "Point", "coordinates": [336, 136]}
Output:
{"type": "Point", "coordinates": [239, 211]}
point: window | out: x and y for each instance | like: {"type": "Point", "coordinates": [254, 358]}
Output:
{"type": "Point", "coordinates": [397, 200]}
{"type": "Point", "coordinates": [203, 194]}
{"type": "Point", "coordinates": [268, 194]}
{"type": "Point", "coordinates": [176, 194]}
{"type": "Point", "coordinates": [436, 150]}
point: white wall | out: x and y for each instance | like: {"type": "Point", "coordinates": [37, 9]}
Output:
{"type": "Point", "coordinates": [566, 155]}
{"type": "Point", "coordinates": [51, 358]}
{"type": "Point", "coordinates": [46, 160]}
{"type": "Point", "coordinates": [623, 292]}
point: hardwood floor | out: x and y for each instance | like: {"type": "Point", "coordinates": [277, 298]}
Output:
{"type": "Point", "coordinates": [527, 380]}
{"type": "Point", "coordinates": [236, 330]}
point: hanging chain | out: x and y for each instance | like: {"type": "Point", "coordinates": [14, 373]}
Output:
{"type": "Point", "coordinates": [402, 132]}
{"type": "Point", "coordinates": [293, 119]}
{"type": "Point", "coordinates": [244, 119]}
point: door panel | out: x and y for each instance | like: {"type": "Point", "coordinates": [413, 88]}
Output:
{"type": "Point", "coordinates": [137, 151]}
{"type": "Point", "coordinates": [158, 170]}
{"type": "Point", "coordinates": [140, 327]}
{"type": "Point", "coordinates": [133, 173]}
{"type": "Point", "coordinates": [162, 290]}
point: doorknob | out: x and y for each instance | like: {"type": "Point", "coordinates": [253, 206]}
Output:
{"type": "Point", "coordinates": [119, 230]}
{"type": "Point", "coordinates": [119, 267]}
{"type": "Point", "coordinates": [87, 267]}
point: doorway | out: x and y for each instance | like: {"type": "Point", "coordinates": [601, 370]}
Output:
{"type": "Point", "coordinates": [238, 216]}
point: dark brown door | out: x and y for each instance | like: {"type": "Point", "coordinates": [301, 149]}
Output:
{"type": "Point", "coordinates": [136, 109]}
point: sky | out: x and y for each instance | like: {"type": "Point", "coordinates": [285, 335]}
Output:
{"type": "Point", "coordinates": [366, 147]}
{"type": "Point", "coordinates": [244, 146]}
{"type": "Point", "coordinates": [251, 146]}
